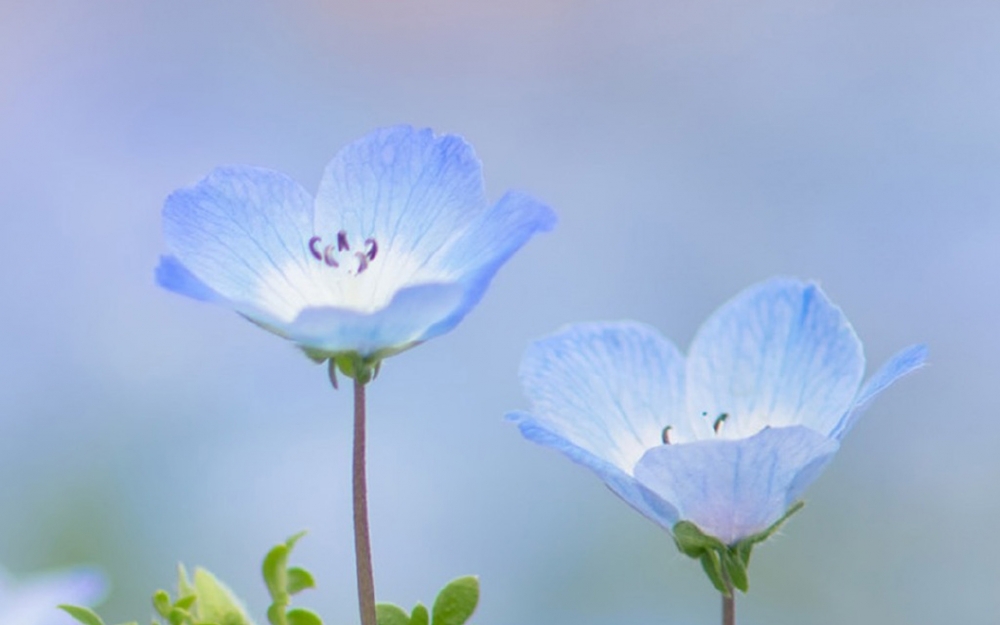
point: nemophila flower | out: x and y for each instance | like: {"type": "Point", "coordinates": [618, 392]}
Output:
{"type": "Point", "coordinates": [718, 446]}
{"type": "Point", "coordinates": [33, 601]}
{"type": "Point", "coordinates": [396, 248]}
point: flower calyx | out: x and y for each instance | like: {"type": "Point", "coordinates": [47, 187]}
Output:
{"type": "Point", "coordinates": [725, 565]}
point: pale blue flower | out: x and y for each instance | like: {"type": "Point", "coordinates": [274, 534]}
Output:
{"type": "Point", "coordinates": [33, 600]}
{"type": "Point", "coordinates": [727, 438]}
{"type": "Point", "coordinates": [396, 248]}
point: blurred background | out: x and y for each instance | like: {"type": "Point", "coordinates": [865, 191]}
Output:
{"type": "Point", "coordinates": [690, 149]}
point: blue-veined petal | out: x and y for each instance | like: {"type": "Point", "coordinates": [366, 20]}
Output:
{"type": "Point", "coordinates": [732, 489]}
{"type": "Point", "coordinates": [173, 276]}
{"type": "Point", "coordinates": [906, 361]}
{"type": "Point", "coordinates": [486, 245]}
{"type": "Point", "coordinates": [621, 483]}
{"type": "Point", "coordinates": [410, 190]}
{"type": "Point", "coordinates": [607, 388]}
{"type": "Point", "coordinates": [399, 325]}
{"type": "Point", "coordinates": [778, 354]}
{"type": "Point", "coordinates": [243, 232]}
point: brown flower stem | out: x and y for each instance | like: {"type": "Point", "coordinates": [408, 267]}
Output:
{"type": "Point", "coordinates": [362, 540]}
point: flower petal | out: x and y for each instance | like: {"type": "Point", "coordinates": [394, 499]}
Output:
{"type": "Point", "coordinates": [398, 326]}
{"type": "Point", "coordinates": [778, 354]}
{"type": "Point", "coordinates": [608, 388]}
{"type": "Point", "coordinates": [625, 486]}
{"type": "Point", "coordinates": [34, 601]}
{"type": "Point", "coordinates": [173, 276]}
{"type": "Point", "coordinates": [488, 243]}
{"type": "Point", "coordinates": [406, 188]}
{"type": "Point", "coordinates": [906, 361]}
{"type": "Point", "coordinates": [732, 489]}
{"type": "Point", "coordinates": [243, 232]}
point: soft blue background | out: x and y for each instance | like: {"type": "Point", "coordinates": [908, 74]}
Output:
{"type": "Point", "coordinates": [690, 148]}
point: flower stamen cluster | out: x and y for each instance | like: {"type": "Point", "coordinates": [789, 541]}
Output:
{"type": "Point", "coordinates": [329, 254]}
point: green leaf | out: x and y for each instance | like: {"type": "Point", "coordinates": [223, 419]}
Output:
{"type": "Point", "coordinates": [162, 603]}
{"type": "Point", "coordinates": [419, 616]}
{"type": "Point", "coordinates": [275, 572]}
{"type": "Point", "coordinates": [300, 616]}
{"type": "Point", "coordinates": [276, 614]}
{"type": "Point", "coordinates": [184, 586]}
{"type": "Point", "coordinates": [185, 603]}
{"type": "Point", "coordinates": [81, 614]}
{"type": "Point", "coordinates": [216, 602]}
{"type": "Point", "coordinates": [456, 602]}
{"type": "Point", "coordinates": [299, 579]}
{"type": "Point", "coordinates": [389, 614]}
{"type": "Point", "coordinates": [710, 562]}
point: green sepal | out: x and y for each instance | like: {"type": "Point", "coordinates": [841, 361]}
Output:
{"type": "Point", "coordinates": [733, 564]}
{"type": "Point", "coordinates": [456, 602]}
{"type": "Point", "coordinates": [301, 616]}
{"type": "Point", "coordinates": [389, 614]}
{"type": "Point", "coordinates": [725, 565]}
{"type": "Point", "coordinates": [81, 614]}
{"type": "Point", "coordinates": [357, 367]}
{"type": "Point", "coordinates": [692, 542]}
{"type": "Point", "coordinates": [713, 568]}
{"type": "Point", "coordinates": [419, 616]}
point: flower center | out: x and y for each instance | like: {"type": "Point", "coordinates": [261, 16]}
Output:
{"type": "Point", "coordinates": [339, 254]}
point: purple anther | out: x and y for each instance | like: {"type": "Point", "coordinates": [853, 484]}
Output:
{"type": "Point", "coordinates": [312, 248]}
{"type": "Point", "coordinates": [342, 243]}
{"type": "Point", "coordinates": [328, 257]}
{"type": "Point", "coordinates": [666, 435]}
{"type": "Point", "coordinates": [719, 421]}
{"type": "Point", "coordinates": [372, 246]}
{"type": "Point", "coordinates": [362, 262]}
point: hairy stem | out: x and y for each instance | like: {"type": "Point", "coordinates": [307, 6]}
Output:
{"type": "Point", "coordinates": [362, 541]}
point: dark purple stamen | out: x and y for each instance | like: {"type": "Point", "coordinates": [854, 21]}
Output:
{"type": "Point", "coordinates": [342, 241]}
{"type": "Point", "coordinates": [312, 248]}
{"type": "Point", "coordinates": [328, 257]}
{"type": "Point", "coordinates": [666, 435]}
{"type": "Point", "coordinates": [719, 421]}
{"type": "Point", "coordinates": [372, 246]}
{"type": "Point", "coordinates": [362, 262]}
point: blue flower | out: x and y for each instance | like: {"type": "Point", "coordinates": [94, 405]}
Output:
{"type": "Point", "coordinates": [726, 439]}
{"type": "Point", "coordinates": [33, 601]}
{"type": "Point", "coordinates": [396, 248]}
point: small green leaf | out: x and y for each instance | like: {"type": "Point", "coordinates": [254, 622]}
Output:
{"type": "Point", "coordinates": [81, 614]}
{"type": "Point", "coordinates": [710, 562]}
{"type": "Point", "coordinates": [184, 586]}
{"type": "Point", "coordinates": [161, 603]}
{"type": "Point", "coordinates": [185, 603]}
{"type": "Point", "coordinates": [276, 614]}
{"type": "Point", "coordinates": [389, 614]}
{"type": "Point", "coordinates": [216, 602]}
{"type": "Point", "coordinates": [419, 616]}
{"type": "Point", "coordinates": [456, 602]}
{"type": "Point", "coordinates": [299, 579]}
{"type": "Point", "coordinates": [274, 569]}
{"type": "Point", "coordinates": [300, 616]}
